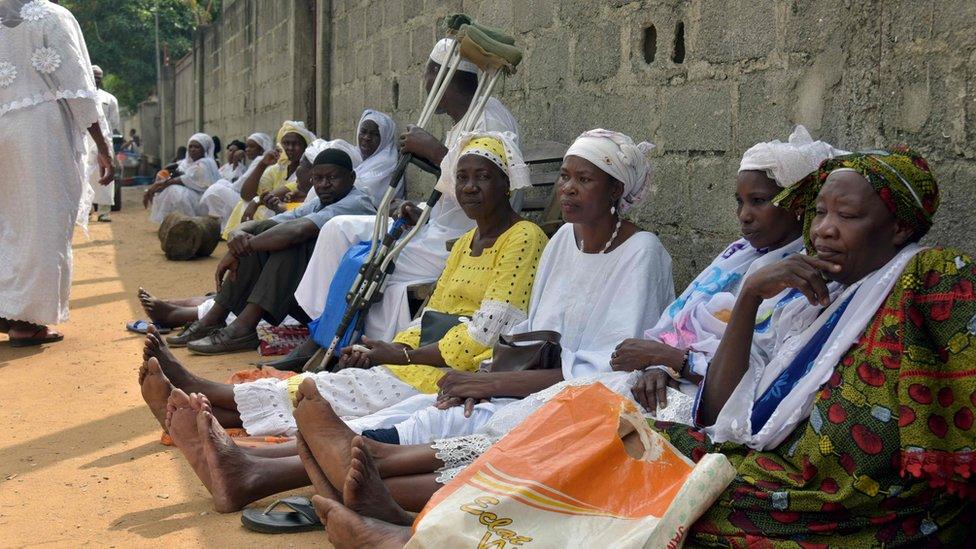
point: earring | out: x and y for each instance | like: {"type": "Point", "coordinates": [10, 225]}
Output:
{"type": "Point", "coordinates": [613, 210]}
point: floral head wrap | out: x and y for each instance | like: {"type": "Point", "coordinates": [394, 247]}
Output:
{"type": "Point", "coordinates": [900, 176]}
{"type": "Point", "coordinates": [621, 158]}
{"type": "Point", "coordinates": [498, 147]}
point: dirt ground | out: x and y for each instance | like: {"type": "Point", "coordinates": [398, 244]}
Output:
{"type": "Point", "coordinates": [80, 458]}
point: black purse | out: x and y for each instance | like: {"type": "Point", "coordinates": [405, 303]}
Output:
{"type": "Point", "coordinates": [434, 326]}
{"type": "Point", "coordinates": [539, 350]}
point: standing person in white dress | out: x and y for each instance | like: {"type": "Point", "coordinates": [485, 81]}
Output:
{"type": "Point", "coordinates": [197, 171]}
{"type": "Point", "coordinates": [46, 85]}
{"type": "Point", "coordinates": [104, 194]}
{"type": "Point", "coordinates": [423, 258]}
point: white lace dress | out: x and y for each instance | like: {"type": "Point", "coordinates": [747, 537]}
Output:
{"type": "Point", "coordinates": [47, 102]}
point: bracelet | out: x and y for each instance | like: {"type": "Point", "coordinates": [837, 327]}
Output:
{"type": "Point", "coordinates": [672, 373]}
{"type": "Point", "coordinates": [406, 355]}
{"type": "Point", "coordinates": [256, 200]}
{"type": "Point", "coordinates": [685, 364]}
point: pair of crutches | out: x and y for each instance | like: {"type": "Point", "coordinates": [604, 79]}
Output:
{"type": "Point", "coordinates": [494, 53]}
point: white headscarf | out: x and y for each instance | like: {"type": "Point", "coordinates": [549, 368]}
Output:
{"type": "Point", "coordinates": [617, 155]}
{"type": "Point", "coordinates": [373, 175]}
{"type": "Point", "coordinates": [207, 161]}
{"type": "Point", "coordinates": [787, 163]}
{"type": "Point", "coordinates": [440, 52]}
{"type": "Point", "coordinates": [262, 139]}
{"type": "Point", "coordinates": [316, 147]}
{"type": "Point", "coordinates": [512, 165]}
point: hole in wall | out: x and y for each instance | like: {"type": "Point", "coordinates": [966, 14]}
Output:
{"type": "Point", "coordinates": [650, 44]}
{"type": "Point", "coordinates": [678, 55]}
{"type": "Point", "coordinates": [396, 94]}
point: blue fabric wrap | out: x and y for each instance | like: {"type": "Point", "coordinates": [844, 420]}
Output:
{"type": "Point", "coordinates": [323, 328]}
{"type": "Point", "coordinates": [793, 373]}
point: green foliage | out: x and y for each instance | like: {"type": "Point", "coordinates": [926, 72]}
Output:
{"type": "Point", "coordinates": [121, 38]}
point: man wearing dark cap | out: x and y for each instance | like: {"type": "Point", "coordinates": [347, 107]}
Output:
{"type": "Point", "coordinates": [257, 277]}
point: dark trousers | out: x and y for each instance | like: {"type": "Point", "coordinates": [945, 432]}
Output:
{"type": "Point", "coordinates": [269, 280]}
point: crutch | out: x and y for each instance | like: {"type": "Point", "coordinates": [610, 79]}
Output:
{"type": "Point", "coordinates": [382, 256]}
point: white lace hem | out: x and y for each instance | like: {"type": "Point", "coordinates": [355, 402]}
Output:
{"type": "Point", "coordinates": [39, 98]}
{"type": "Point", "coordinates": [265, 407]}
{"type": "Point", "coordinates": [492, 319]}
{"type": "Point", "coordinates": [457, 453]}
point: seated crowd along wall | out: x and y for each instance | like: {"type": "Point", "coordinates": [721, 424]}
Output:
{"type": "Point", "coordinates": [703, 80]}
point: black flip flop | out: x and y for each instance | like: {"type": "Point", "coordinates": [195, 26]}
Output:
{"type": "Point", "coordinates": [34, 340]}
{"type": "Point", "coordinates": [301, 518]}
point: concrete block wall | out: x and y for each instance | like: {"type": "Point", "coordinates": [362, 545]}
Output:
{"type": "Point", "coordinates": [857, 73]}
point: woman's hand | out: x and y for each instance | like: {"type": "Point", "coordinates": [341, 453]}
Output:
{"type": "Point", "coordinates": [270, 158]}
{"type": "Point", "coordinates": [410, 212]}
{"type": "Point", "coordinates": [798, 271]}
{"type": "Point", "coordinates": [377, 352]}
{"type": "Point", "coordinates": [249, 211]}
{"type": "Point", "coordinates": [227, 266]}
{"type": "Point", "coordinates": [151, 191]}
{"type": "Point", "coordinates": [464, 388]}
{"type": "Point", "coordinates": [273, 203]}
{"type": "Point", "coordinates": [107, 169]}
{"type": "Point", "coordinates": [635, 354]}
{"type": "Point", "coordinates": [651, 390]}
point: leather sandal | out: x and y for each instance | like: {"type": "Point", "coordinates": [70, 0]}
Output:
{"type": "Point", "coordinates": [192, 332]}
{"type": "Point", "coordinates": [300, 517]}
{"type": "Point", "coordinates": [37, 339]}
{"type": "Point", "coordinates": [220, 342]}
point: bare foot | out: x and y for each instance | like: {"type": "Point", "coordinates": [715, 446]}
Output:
{"type": "Point", "coordinates": [158, 310]}
{"type": "Point", "coordinates": [364, 491]}
{"type": "Point", "coordinates": [315, 474]}
{"type": "Point", "coordinates": [346, 529]}
{"type": "Point", "coordinates": [230, 467]}
{"type": "Point", "coordinates": [181, 423]}
{"type": "Point", "coordinates": [327, 436]}
{"type": "Point", "coordinates": [156, 347]}
{"type": "Point", "coordinates": [155, 389]}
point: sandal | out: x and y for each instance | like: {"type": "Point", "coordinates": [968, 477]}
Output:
{"type": "Point", "coordinates": [141, 327]}
{"type": "Point", "coordinates": [301, 518]}
{"type": "Point", "coordinates": [35, 340]}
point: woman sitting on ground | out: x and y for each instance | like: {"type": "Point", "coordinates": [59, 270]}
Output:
{"type": "Point", "coordinates": [182, 193]}
{"type": "Point", "coordinates": [221, 198]}
{"type": "Point", "coordinates": [234, 167]}
{"type": "Point", "coordinates": [488, 281]}
{"type": "Point", "coordinates": [376, 144]}
{"type": "Point", "coordinates": [275, 172]}
{"type": "Point", "coordinates": [859, 432]}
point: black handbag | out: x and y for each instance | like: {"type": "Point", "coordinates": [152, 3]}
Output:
{"type": "Point", "coordinates": [539, 350]}
{"type": "Point", "coordinates": [434, 326]}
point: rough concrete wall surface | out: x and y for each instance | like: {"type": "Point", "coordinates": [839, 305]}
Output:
{"type": "Point", "coordinates": [184, 125]}
{"type": "Point", "coordinates": [859, 74]}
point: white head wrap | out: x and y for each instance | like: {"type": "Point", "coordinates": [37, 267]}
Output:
{"type": "Point", "coordinates": [316, 147]}
{"type": "Point", "coordinates": [618, 155]}
{"type": "Point", "coordinates": [207, 160]}
{"type": "Point", "coordinates": [262, 139]}
{"type": "Point", "coordinates": [515, 168]}
{"type": "Point", "coordinates": [787, 163]}
{"type": "Point", "coordinates": [372, 176]}
{"type": "Point", "coordinates": [96, 70]}
{"type": "Point", "coordinates": [440, 52]}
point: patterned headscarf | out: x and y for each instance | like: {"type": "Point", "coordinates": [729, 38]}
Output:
{"type": "Point", "coordinates": [900, 176]}
{"type": "Point", "coordinates": [498, 147]}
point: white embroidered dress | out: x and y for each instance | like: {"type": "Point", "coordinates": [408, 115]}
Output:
{"type": "Point", "coordinates": [48, 100]}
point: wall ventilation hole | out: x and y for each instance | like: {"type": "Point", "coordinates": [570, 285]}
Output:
{"type": "Point", "coordinates": [396, 94]}
{"type": "Point", "coordinates": [650, 44]}
{"type": "Point", "coordinates": [679, 43]}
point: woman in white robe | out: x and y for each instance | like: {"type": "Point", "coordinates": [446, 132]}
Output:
{"type": "Point", "coordinates": [423, 258]}
{"type": "Point", "coordinates": [376, 132]}
{"type": "Point", "coordinates": [220, 198]}
{"type": "Point", "coordinates": [46, 86]}
{"type": "Point", "coordinates": [182, 193]}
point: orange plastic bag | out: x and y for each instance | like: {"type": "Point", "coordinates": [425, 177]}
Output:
{"type": "Point", "coordinates": [564, 479]}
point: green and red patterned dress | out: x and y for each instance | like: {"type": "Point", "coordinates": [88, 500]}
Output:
{"type": "Point", "coordinates": [886, 457]}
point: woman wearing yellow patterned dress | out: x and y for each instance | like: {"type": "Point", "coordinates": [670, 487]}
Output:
{"type": "Point", "coordinates": [486, 284]}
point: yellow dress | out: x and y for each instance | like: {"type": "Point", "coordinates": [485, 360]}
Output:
{"type": "Point", "coordinates": [272, 179]}
{"type": "Point", "coordinates": [492, 290]}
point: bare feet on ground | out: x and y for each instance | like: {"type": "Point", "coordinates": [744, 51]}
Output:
{"type": "Point", "coordinates": [347, 529]}
{"type": "Point", "coordinates": [155, 389]}
{"type": "Point", "coordinates": [315, 474]}
{"type": "Point", "coordinates": [158, 310]}
{"type": "Point", "coordinates": [364, 491]}
{"type": "Point", "coordinates": [325, 434]}
{"type": "Point", "coordinates": [230, 467]}
{"type": "Point", "coordinates": [181, 423]}
{"type": "Point", "coordinates": [157, 348]}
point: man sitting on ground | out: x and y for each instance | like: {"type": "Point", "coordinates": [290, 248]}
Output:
{"type": "Point", "coordinates": [266, 260]}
